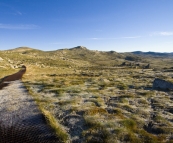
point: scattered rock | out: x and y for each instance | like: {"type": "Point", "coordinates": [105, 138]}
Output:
{"type": "Point", "coordinates": [147, 66]}
{"type": "Point", "coordinates": [1, 59]}
{"type": "Point", "coordinates": [11, 62]}
{"type": "Point", "coordinates": [11, 66]}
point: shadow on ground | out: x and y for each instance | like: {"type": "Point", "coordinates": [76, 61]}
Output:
{"type": "Point", "coordinates": [15, 126]}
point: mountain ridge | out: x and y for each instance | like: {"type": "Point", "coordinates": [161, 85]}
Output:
{"type": "Point", "coordinates": [22, 48]}
{"type": "Point", "coordinates": [151, 53]}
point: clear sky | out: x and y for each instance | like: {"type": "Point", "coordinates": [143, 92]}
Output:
{"type": "Point", "coordinates": [118, 25]}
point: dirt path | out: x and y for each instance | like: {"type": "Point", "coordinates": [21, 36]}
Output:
{"type": "Point", "coordinates": [20, 119]}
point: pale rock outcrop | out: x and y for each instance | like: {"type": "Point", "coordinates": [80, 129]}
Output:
{"type": "Point", "coordinates": [1, 59]}
{"type": "Point", "coordinates": [12, 66]}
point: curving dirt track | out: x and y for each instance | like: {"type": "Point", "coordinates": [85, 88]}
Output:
{"type": "Point", "coordinates": [16, 76]}
{"type": "Point", "coordinates": [20, 119]}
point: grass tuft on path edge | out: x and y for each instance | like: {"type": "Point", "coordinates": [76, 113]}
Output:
{"type": "Point", "coordinates": [62, 135]}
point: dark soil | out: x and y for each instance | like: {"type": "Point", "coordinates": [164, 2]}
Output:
{"type": "Point", "coordinates": [13, 77]}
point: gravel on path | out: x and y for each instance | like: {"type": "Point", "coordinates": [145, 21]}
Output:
{"type": "Point", "coordinates": [20, 119]}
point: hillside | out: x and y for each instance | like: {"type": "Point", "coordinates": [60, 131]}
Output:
{"type": "Point", "coordinates": [80, 57]}
{"type": "Point", "coordinates": [74, 57]}
{"type": "Point", "coordinates": [96, 96]}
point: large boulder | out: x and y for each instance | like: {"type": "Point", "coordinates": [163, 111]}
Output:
{"type": "Point", "coordinates": [162, 84]}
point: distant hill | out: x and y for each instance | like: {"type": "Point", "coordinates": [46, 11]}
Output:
{"type": "Point", "coordinates": [92, 56]}
{"type": "Point", "coordinates": [81, 56]}
{"type": "Point", "coordinates": [154, 54]}
{"type": "Point", "coordinates": [78, 56]}
{"type": "Point", "coordinates": [21, 49]}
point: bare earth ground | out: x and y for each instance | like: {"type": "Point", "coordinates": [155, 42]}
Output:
{"type": "Point", "coordinates": [20, 118]}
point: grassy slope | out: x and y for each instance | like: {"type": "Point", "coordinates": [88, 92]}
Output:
{"type": "Point", "coordinates": [106, 104]}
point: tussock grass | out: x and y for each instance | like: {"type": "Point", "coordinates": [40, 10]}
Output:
{"type": "Point", "coordinates": [59, 130]}
{"type": "Point", "coordinates": [122, 86]}
{"type": "Point", "coordinates": [96, 110]}
{"type": "Point", "coordinates": [51, 120]}
{"type": "Point", "coordinates": [129, 124]}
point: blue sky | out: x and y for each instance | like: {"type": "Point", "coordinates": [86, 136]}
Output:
{"type": "Point", "coordinates": [118, 25]}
